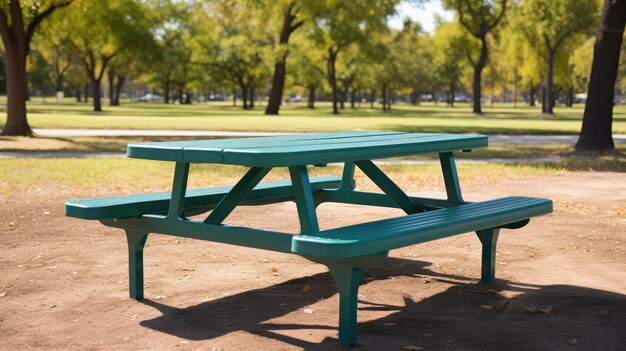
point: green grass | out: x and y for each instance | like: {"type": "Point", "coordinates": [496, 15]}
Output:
{"type": "Point", "coordinates": [121, 176]}
{"type": "Point", "coordinates": [428, 117]}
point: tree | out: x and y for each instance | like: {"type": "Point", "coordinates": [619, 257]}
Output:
{"type": "Point", "coordinates": [550, 23]}
{"type": "Point", "coordinates": [172, 56]}
{"type": "Point", "coordinates": [479, 17]}
{"type": "Point", "coordinates": [236, 46]}
{"type": "Point", "coordinates": [18, 24]}
{"type": "Point", "coordinates": [580, 64]}
{"type": "Point", "coordinates": [596, 133]}
{"type": "Point", "coordinates": [341, 23]}
{"type": "Point", "coordinates": [291, 21]}
{"type": "Point", "coordinates": [97, 31]}
{"type": "Point", "coordinates": [452, 48]}
{"type": "Point", "coordinates": [307, 65]}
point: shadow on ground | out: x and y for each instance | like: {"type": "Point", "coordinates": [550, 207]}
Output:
{"type": "Point", "coordinates": [465, 316]}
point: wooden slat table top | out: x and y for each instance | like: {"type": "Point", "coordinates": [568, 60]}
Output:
{"type": "Point", "coordinates": [305, 149]}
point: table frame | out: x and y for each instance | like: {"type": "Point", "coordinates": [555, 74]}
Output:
{"type": "Point", "coordinates": [175, 222]}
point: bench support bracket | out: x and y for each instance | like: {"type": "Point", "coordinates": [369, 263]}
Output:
{"type": "Point", "coordinates": [489, 238]}
{"type": "Point", "coordinates": [136, 241]}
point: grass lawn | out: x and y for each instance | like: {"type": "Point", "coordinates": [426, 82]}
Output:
{"type": "Point", "coordinates": [130, 175]}
{"type": "Point", "coordinates": [500, 119]}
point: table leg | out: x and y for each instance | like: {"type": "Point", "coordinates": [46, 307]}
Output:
{"type": "Point", "coordinates": [303, 196]}
{"type": "Point", "coordinates": [347, 280]}
{"type": "Point", "coordinates": [489, 238]}
{"type": "Point", "coordinates": [450, 177]}
{"type": "Point", "coordinates": [179, 188]}
{"type": "Point", "coordinates": [136, 241]}
{"type": "Point", "coordinates": [347, 178]}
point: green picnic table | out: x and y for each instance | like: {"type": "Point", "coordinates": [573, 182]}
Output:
{"type": "Point", "coordinates": [346, 251]}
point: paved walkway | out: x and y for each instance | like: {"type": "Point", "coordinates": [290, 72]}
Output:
{"type": "Point", "coordinates": [493, 139]}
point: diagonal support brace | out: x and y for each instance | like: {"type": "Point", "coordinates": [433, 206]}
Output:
{"type": "Point", "coordinates": [236, 194]}
{"type": "Point", "coordinates": [389, 187]}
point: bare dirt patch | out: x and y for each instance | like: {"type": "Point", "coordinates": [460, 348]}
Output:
{"type": "Point", "coordinates": [561, 281]}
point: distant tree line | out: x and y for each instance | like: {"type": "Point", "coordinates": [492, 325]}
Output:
{"type": "Point", "coordinates": [537, 51]}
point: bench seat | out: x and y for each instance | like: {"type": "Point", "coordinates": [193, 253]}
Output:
{"type": "Point", "coordinates": [200, 200]}
{"type": "Point", "coordinates": [383, 235]}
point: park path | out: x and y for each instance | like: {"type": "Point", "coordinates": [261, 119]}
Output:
{"type": "Point", "coordinates": [493, 139]}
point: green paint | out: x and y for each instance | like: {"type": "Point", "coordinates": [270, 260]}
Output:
{"type": "Point", "coordinates": [345, 251]}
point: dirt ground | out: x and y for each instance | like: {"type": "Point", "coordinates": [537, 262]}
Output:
{"type": "Point", "coordinates": [561, 281]}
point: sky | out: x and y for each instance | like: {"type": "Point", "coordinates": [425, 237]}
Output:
{"type": "Point", "coordinates": [424, 14]}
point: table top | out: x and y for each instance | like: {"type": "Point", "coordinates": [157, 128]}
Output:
{"type": "Point", "coordinates": [305, 149]}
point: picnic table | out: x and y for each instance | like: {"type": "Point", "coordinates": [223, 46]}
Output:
{"type": "Point", "coordinates": [346, 251]}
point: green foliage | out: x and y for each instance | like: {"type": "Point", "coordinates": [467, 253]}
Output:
{"type": "Point", "coordinates": [453, 50]}
{"type": "Point", "coordinates": [223, 46]}
{"type": "Point", "coordinates": [33, 12]}
{"type": "Point", "coordinates": [479, 17]}
{"type": "Point", "coordinates": [548, 23]}
{"type": "Point", "coordinates": [96, 31]}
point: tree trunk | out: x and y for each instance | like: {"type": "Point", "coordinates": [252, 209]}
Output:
{"type": "Point", "coordinates": [278, 85]}
{"type": "Point", "coordinates": [569, 101]}
{"type": "Point", "coordinates": [111, 75]}
{"type": "Point", "coordinates": [544, 99]}
{"type": "Point", "coordinates": [451, 96]}
{"type": "Point", "coordinates": [121, 80]}
{"type": "Point", "coordinates": [26, 87]}
{"type": "Point", "coordinates": [384, 96]}
{"type": "Point", "coordinates": [95, 88]}
{"type": "Point", "coordinates": [515, 78]}
{"type": "Point", "coordinates": [311, 100]}
{"type": "Point", "coordinates": [280, 70]}
{"type": "Point", "coordinates": [332, 78]}
{"type": "Point", "coordinates": [59, 82]}
{"type": "Point", "coordinates": [16, 123]}
{"type": "Point", "coordinates": [16, 44]}
{"type": "Point", "coordinates": [244, 96]}
{"type": "Point", "coordinates": [344, 97]}
{"type": "Point", "coordinates": [596, 133]}
{"type": "Point", "coordinates": [79, 98]}
{"type": "Point", "coordinates": [478, 70]}
{"type": "Point", "coordinates": [531, 98]}
{"type": "Point", "coordinates": [86, 92]}
{"type": "Point", "coordinates": [353, 98]}
{"type": "Point", "coordinates": [372, 98]}
{"type": "Point", "coordinates": [166, 90]}
{"type": "Point", "coordinates": [549, 109]}
{"type": "Point", "coordinates": [234, 98]}
{"type": "Point", "coordinates": [252, 91]}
